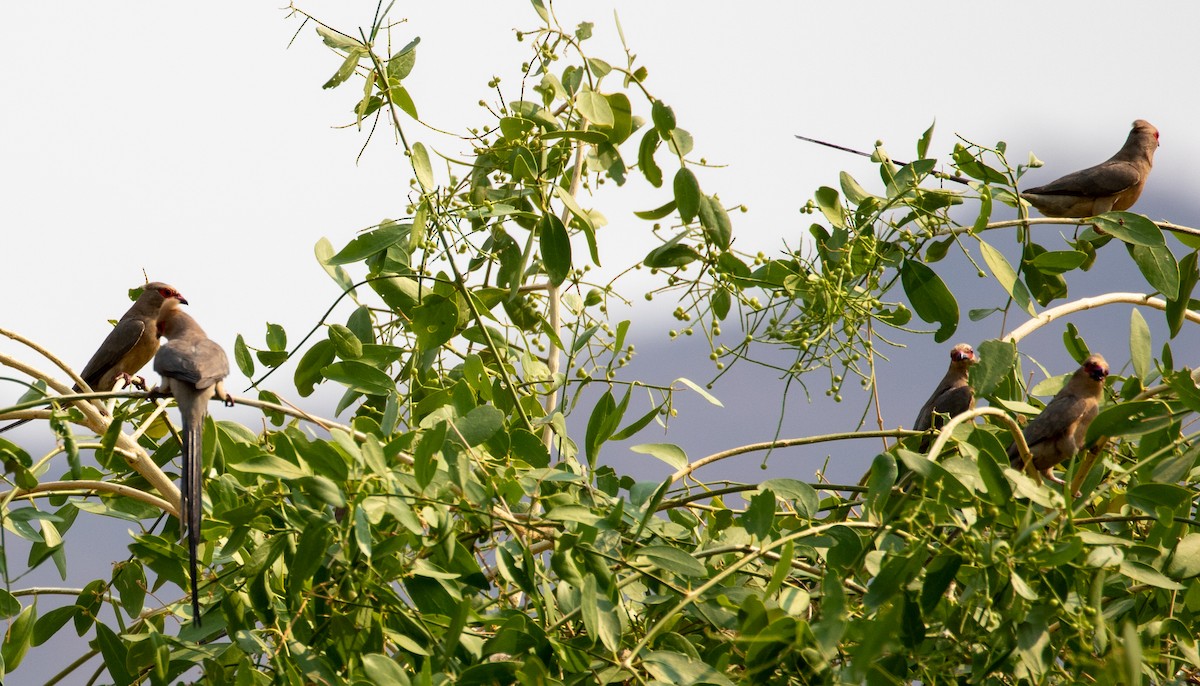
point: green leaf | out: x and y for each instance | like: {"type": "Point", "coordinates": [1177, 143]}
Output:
{"type": "Point", "coordinates": [672, 454]}
{"type": "Point", "coordinates": [479, 425]}
{"type": "Point", "coordinates": [1074, 343]}
{"type": "Point", "coordinates": [622, 112]}
{"type": "Point", "coordinates": [338, 41]}
{"type": "Point", "coordinates": [435, 321]}
{"type": "Point", "coordinates": [1145, 574]}
{"type": "Point", "coordinates": [805, 497]}
{"type": "Point", "coordinates": [1007, 277]}
{"type": "Point", "coordinates": [1158, 265]}
{"type": "Point", "coordinates": [930, 298]}
{"type": "Point", "coordinates": [1149, 497]}
{"type": "Point", "coordinates": [345, 71]}
{"type": "Point", "coordinates": [985, 210]}
{"type": "Point", "coordinates": [9, 605]}
{"type": "Point", "coordinates": [114, 653]}
{"type": "Point", "coordinates": [923, 142]}
{"type": "Point", "coordinates": [855, 193]}
{"type": "Point", "coordinates": [759, 514]}
{"type": "Point", "coordinates": [1177, 307]}
{"type": "Point", "coordinates": [646, 163]}
{"type": "Point", "coordinates": [720, 301]}
{"type": "Point", "coordinates": [595, 108]}
{"type": "Point", "coordinates": [323, 251]}
{"type": "Point", "coordinates": [687, 194]}
{"type": "Point", "coordinates": [1129, 419]}
{"type": "Point", "coordinates": [637, 425]}
{"type": "Point", "coordinates": [672, 559]}
{"type": "Point", "coordinates": [241, 355]}
{"type": "Point", "coordinates": [594, 137]}
{"type": "Point", "coordinates": [996, 360]}
{"type": "Point", "coordinates": [16, 641]}
{"type": "Point", "coordinates": [345, 343]}
{"type": "Point", "coordinates": [895, 572]}
{"type": "Point", "coordinates": [422, 167]}
{"type": "Point", "coordinates": [573, 513]}
{"type": "Point", "coordinates": [938, 576]}
{"type": "Point", "coordinates": [938, 249]}
{"type": "Point", "coordinates": [382, 669]}
{"type": "Point", "coordinates": [424, 457]}
{"type": "Point", "coordinates": [670, 254]}
{"type": "Point", "coordinates": [656, 213]}
{"type": "Point", "coordinates": [48, 624]}
{"type": "Point", "coordinates": [1131, 228]}
{"type": "Point", "coordinates": [385, 236]}
{"type": "Point", "coordinates": [270, 465]}
{"type": "Point", "coordinates": [573, 206]}
{"type": "Point", "coordinates": [678, 668]}
{"type": "Point", "coordinates": [360, 377]}
{"type": "Point", "coordinates": [603, 420]}
{"type": "Point", "coordinates": [400, 65]}
{"type": "Point", "coordinates": [322, 488]}
{"type": "Point", "coordinates": [276, 338]}
{"type": "Point", "coordinates": [1059, 261]}
{"type": "Point", "coordinates": [1139, 345]}
{"type": "Point", "coordinates": [831, 206]}
{"type": "Point", "coordinates": [400, 96]}
{"type": "Point", "coordinates": [663, 117]}
{"type": "Point", "coordinates": [362, 532]}
{"type": "Point", "coordinates": [715, 220]}
{"type": "Point", "coordinates": [1045, 287]}
{"type": "Point", "coordinates": [1185, 559]}
{"type": "Point", "coordinates": [308, 371]}
{"type": "Point", "coordinates": [971, 166]}
{"type": "Point", "coordinates": [420, 226]}
{"type": "Point", "coordinates": [555, 248]}
{"type": "Point", "coordinates": [712, 400]}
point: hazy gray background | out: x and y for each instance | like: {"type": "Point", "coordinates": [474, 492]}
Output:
{"type": "Point", "coordinates": [190, 141]}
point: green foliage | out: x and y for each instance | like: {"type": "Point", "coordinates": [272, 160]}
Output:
{"type": "Point", "coordinates": [453, 530]}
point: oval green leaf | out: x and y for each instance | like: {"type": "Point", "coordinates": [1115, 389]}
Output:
{"type": "Point", "coordinates": [933, 302]}
{"type": "Point", "coordinates": [555, 247]}
{"type": "Point", "coordinates": [360, 377]}
{"type": "Point", "coordinates": [687, 195]}
{"type": "Point", "coordinates": [670, 453]}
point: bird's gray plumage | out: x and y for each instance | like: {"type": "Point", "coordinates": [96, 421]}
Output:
{"type": "Point", "coordinates": [193, 368]}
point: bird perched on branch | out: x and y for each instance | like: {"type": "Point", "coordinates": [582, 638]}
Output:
{"type": "Point", "coordinates": [952, 396]}
{"type": "Point", "coordinates": [130, 344]}
{"type": "Point", "coordinates": [1058, 432]}
{"type": "Point", "coordinates": [1111, 185]}
{"type": "Point", "coordinates": [193, 369]}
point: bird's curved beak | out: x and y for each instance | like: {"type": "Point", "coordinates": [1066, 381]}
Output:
{"type": "Point", "coordinates": [182, 300]}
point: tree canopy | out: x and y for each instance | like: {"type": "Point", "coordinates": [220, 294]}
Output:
{"type": "Point", "coordinates": [450, 525]}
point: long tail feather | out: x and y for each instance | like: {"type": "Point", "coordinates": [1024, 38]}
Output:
{"type": "Point", "coordinates": [14, 425]}
{"type": "Point", "coordinates": [192, 499]}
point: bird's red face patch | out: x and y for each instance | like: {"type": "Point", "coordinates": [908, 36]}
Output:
{"type": "Point", "coordinates": [1096, 370]}
{"type": "Point", "coordinates": [169, 293]}
{"type": "Point", "coordinates": [964, 352]}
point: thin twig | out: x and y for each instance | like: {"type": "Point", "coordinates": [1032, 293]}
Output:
{"type": "Point", "coordinates": [940, 175]}
{"type": "Point", "coordinates": [787, 443]}
{"type": "Point", "coordinates": [67, 487]}
{"type": "Point", "coordinates": [969, 415]}
{"type": "Point", "coordinates": [1090, 303]}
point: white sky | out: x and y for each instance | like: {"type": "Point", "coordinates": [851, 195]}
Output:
{"type": "Point", "coordinates": [187, 140]}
